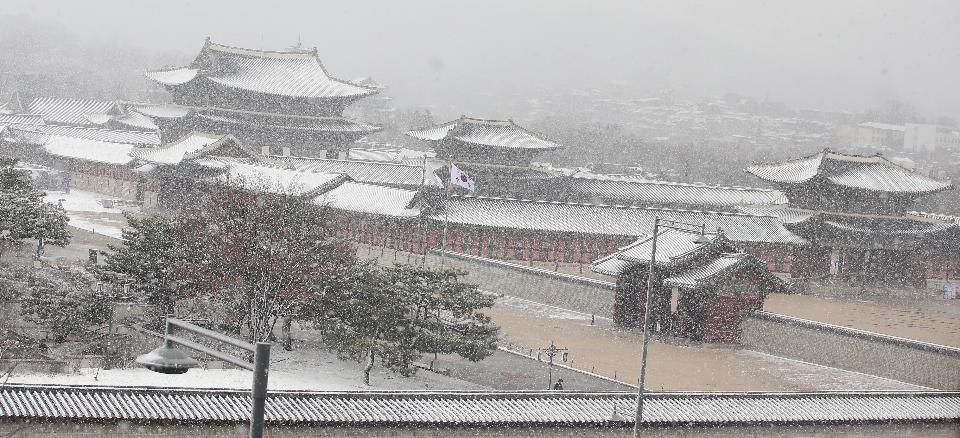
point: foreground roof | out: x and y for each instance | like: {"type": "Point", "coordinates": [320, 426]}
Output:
{"type": "Point", "coordinates": [627, 190]}
{"type": "Point", "coordinates": [492, 133]}
{"type": "Point", "coordinates": [874, 173]}
{"type": "Point", "coordinates": [297, 74]}
{"type": "Point", "coordinates": [552, 216]}
{"type": "Point", "coordinates": [65, 403]}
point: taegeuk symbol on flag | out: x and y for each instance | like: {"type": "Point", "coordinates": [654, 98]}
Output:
{"type": "Point", "coordinates": [461, 178]}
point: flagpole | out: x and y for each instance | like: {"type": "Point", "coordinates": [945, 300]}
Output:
{"type": "Point", "coordinates": [446, 215]}
{"type": "Point", "coordinates": [423, 228]}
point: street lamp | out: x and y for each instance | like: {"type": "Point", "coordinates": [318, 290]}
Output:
{"type": "Point", "coordinates": [700, 239]}
{"type": "Point", "coordinates": [168, 360]}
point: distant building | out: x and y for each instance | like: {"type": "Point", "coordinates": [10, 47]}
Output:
{"type": "Point", "coordinates": [873, 135]}
{"type": "Point", "coordinates": [283, 100]}
{"type": "Point", "coordinates": [852, 209]}
{"type": "Point", "coordinates": [498, 152]}
{"type": "Point", "coordinates": [925, 137]}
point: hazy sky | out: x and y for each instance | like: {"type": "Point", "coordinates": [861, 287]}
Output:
{"type": "Point", "coordinates": [845, 55]}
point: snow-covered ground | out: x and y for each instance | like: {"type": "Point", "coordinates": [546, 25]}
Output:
{"type": "Point", "coordinates": [308, 367]}
{"type": "Point", "coordinates": [87, 212]}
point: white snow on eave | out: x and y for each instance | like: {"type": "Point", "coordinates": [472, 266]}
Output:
{"type": "Point", "coordinates": [369, 199]}
{"type": "Point", "coordinates": [174, 153]}
{"type": "Point", "coordinates": [89, 150]}
{"type": "Point", "coordinates": [274, 180]}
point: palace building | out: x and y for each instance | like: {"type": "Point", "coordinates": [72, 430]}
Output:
{"type": "Point", "coordinates": [854, 213]}
{"type": "Point", "coordinates": [283, 101]}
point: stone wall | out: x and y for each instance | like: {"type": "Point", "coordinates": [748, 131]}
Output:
{"type": "Point", "coordinates": [563, 290]}
{"type": "Point", "coordinates": [920, 363]}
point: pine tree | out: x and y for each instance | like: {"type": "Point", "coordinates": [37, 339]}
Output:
{"type": "Point", "coordinates": [145, 260]}
{"type": "Point", "coordinates": [395, 315]}
{"type": "Point", "coordinates": [24, 214]}
{"type": "Point", "coordinates": [65, 306]}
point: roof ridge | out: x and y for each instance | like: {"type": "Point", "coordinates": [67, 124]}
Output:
{"type": "Point", "coordinates": [612, 206]}
{"type": "Point", "coordinates": [675, 183]}
{"type": "Point", "coordinates": [346, 160]}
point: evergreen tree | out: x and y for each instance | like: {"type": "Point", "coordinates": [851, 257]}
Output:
{"type": "Point", "coordinates": [51, 227]}
{"type": "Point", "coordinates": [146, 259]}
{"type": "Point", "coordinates": [24, 214]}
{"type": "Point", "coordinates": [395, 315]}
{"type": "Point", "coordinates": [65, 306]}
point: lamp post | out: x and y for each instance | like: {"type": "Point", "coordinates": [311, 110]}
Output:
{"type": "Point", "coordinates": [701, 239]}
{"type": "Point", "coordinates": [168, 360]}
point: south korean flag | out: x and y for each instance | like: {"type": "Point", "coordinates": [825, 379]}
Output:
{"type": "Point", "coordinates": [461, 178]}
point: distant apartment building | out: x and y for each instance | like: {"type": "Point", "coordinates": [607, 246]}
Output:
{"type": "Point", "coordinates": [879, 135]}
{"type": "Point", "coordinates": [924, 137]}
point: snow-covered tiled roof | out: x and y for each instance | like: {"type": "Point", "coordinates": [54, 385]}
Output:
{"type": "Point", "coordinates": [787, 215]}
{"type": "Point", "coordinates": [70, 111]}
{"type": "Point", "coordinates": [457, 409]}
{"type": "Point", "coordinates": [874, 173]}
{"type": "Point", "coordinates": [706, 273]}
{"type": "Point", "coordinates": [491, 133]}
{"type": "Point", "coordinates": [364, 198]}
{"type": "Point", "coordinates": [21, 119]}
{"type": "Point", "coordinates": [249, 120]}
{"type": "Point", "coordinates": [161, 111]}
{"type": "Point", "coordinates": [672, 246]}
{"type": "Point", "coordinates": [88, 150]}
{"type": "Point", "coordinates": [633, 191]}
{"type": "Point", "coordinates": [551, 216]}
{"type": "Point", "coordinates": [295, 74]}
{"type": "Point", "coordinates": [374, 172]}
{"type": "Point", "coordinates": [250, 174]}
{"type": "Point", "coordinates": [144, 138]}
{"type": "Point", "coordinates": [176, 152]}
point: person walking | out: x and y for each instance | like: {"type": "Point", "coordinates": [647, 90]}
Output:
{"type": "Point", "coordinates": [558, 386]}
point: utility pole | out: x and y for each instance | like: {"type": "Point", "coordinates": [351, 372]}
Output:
{"type": "Point", "coordinates": [551, 351]}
